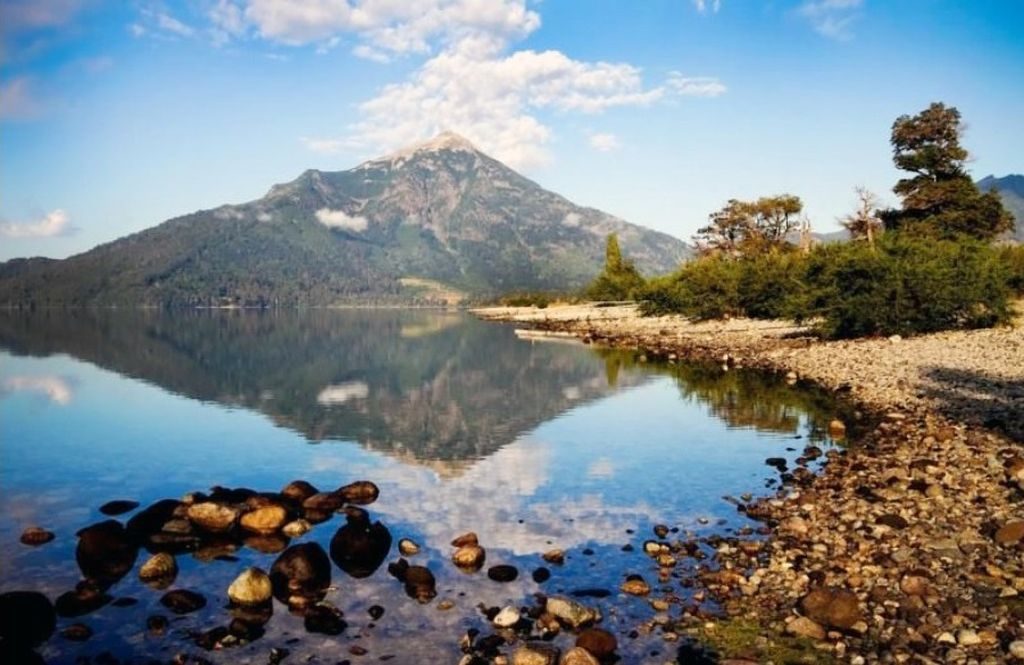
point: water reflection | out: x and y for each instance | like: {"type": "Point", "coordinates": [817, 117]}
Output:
{"type": "Point", "coordinates": [461, 426]}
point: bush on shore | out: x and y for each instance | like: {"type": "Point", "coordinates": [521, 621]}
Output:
{"type": "Point", "coordinates": [901, 285]}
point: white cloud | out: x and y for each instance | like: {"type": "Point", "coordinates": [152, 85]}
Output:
{"type": "Point", "coordinates": [703, 5]}
{"type": "Point", "coordinates": [56, 223]}
{"type": "Point", "coordinates": [340, 393]}
{"type": "Point", "coordinates": [339, 219]}
{"type": "Point", "coordinates": [19, 15]}
{"type": "Point", "coordinates": [696, 86]}
{"type": "Point", "coordinates": [831, 18]}
{"type": "Point", "coordinates": [18, 100]}
{"type": "Point", "coordinates": [54, 388]}
{"type": "Point", "coordinates": [228, 21]}
{"type": "Point", "coordinates": [367, 52]}
{"type": "Point", "coordinates": [604, 142]}
{"type": "Point", "coordinates": [491, 99]}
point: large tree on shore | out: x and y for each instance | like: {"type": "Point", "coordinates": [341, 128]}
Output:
{"type": "Point", "coordinates": [750, 227]}
{"type": "Point", "coordinates": [939, 198]}
{"type": "Point", "coordinates": [619, 280]}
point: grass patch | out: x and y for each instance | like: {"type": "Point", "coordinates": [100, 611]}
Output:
{"type": "Point", "coordinates": [744, 638]}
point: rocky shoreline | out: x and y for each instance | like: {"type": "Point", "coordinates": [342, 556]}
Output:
{"type": "Point", "coordinates": [909, 546]}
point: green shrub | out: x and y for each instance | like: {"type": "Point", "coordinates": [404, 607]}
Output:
{"type": "Point", "coordinates": [1012, 258]}
{"type": "Point", "coordinates": [903, 285]}
{"type": "Point", "coordinates": [707, 288]}
{"type": "Point", "coordinates": [768, 282]}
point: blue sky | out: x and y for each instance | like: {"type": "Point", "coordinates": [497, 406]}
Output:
{"type": "Point", "coordinates": [115, 116]}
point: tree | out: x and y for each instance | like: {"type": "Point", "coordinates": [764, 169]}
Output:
{"type": "Point", "coordinates": [619, 280]}
{"type": "Point", "coordinates": [864, 223]}
{"type": "Point", "coordinates": [940, 199]}
{"type": "Point", "coordinates": [749, 227]}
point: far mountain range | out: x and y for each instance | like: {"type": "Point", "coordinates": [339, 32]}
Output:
{"type": "Point", "coordinates": [437, 223]}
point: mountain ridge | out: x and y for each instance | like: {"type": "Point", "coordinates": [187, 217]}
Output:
{"type": "Point", "coordinates": [439, 212]}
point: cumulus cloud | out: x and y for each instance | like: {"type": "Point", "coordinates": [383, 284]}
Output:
{"type": "Point", "coordinates": [339, 219]}
{"type": "Point", "coordinates": [604, 142]}
{"type": "Point", "coordinates": [492, 99]}
{"type": "Point", "coordinates": [56, 223]}
{"type": "Point", "coordinates": [832, 18]}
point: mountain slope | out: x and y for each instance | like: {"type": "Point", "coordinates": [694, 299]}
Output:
{"type": "Point", "coordinates": [441, 213]}
{"type": "Point", "coordinates": [1011, 191]}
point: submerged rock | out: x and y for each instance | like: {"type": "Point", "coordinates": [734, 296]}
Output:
{"type": "Point", "coordinates": [35, 536]}
{"type": "Point", "coordinates": [635, 586]}
{"type": "Point", "coordinates": [27, 619]}
{"type": "Point", "coordinates": [87, 597]}
{"type": "Point", "coordinates": [105, 552]}
{"type": "Point", "coordinates": [151, 520]}
{"type": "Point", "coordinates": [420, 584]}
{"type": "Point", "coordinates": [323, 502]}
{"type": "Point", "coordinates": [252, 587]}
{"type": "Point", "coordinates": [76, 632]}
{"type": "Point", "coordinates": [324, 618]}
{"type": "Point", "coordinates": [298, 491]}
{"type": "Point", "coordinates": [580, 656]}
{"type": "Point", "coordinates": [535, 653]}
{"type": "Point", "coordinates": [296, 528]}
{"type": "Point", "coordinates": [502, 573]}
{"type": "Point", "coordinates": [556, 557]}
{"type": "Point", "coordinates": [183, 601]}
{"type": "Point", "coordinates": [407, 547]}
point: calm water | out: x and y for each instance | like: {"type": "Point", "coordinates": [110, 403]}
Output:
{"type": "Point", "coordinates": [461, 425]}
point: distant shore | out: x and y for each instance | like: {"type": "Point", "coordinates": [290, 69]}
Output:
{"type": "Point", "coordinates": [922, 521]}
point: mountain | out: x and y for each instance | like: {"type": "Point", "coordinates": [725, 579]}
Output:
{"type": "Point", "coordinates": [1011, 191]}
{"type": "Point", "coordinates": [440, 221]}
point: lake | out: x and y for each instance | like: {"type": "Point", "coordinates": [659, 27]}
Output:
{"type": "Point", "coordinates": [532, 445]}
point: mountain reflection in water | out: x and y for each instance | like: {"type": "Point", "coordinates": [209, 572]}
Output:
{"type": "Point", "coordinates": [462, 426]}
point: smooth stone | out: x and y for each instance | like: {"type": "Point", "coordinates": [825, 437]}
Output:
{"type": "Point", "coordinates": [35, 536]}
{"type": "Point", "coordinates": [359, 548]}
{"type": "Point", "coordinates": [1010, 533]}
{"type": "Point", "coordinates": [118, 507]}
{"type": "Point", "coordinates": [301, 574]}
{"type": "Point", "coordinates": [470, 557]}
{"type": "Point", "coordinates": [265, 520]}
{"type": "Point", "coordinates": [375, 612]}
{"type": "Point", "coordinates": [834, 608]}
{"type": "Point", "coordinates": [325, 619]}
{"type": "Point", "coordinates": [1016, 649]}
{"type": "Point", "coordinates": [212, 517]}
{"type": "Point", "coordinates": [27, 618]}
{"type": "Point", "coordinates": [502, 573]}
{"type": "Point", "coordinates": [804, 627]}
{"type": "Point", "coordinates": [535, 653]}
{"type": "Point", "coordinates": [252, 587]}
{"type": "Point", "coordinates": [296, 528]}
{"type": "Point", "coordinates": [635, 586]}
{"type": "Point", "coordinates": [556, 557]}
{"type": "Point", "coordinates": [298, 491]}
{"type": "Point", "coordinates": [579, 656]}
{"type": "Point", "coordinates": [407, 547]}
{"type": "Point", "coordinates": [893, 521]}
{"type": "Point", "coordinates": [161, 567]}
{"type": "Point", "coordinates": [420, 584]}
{"type": "Point", "coordinates": [506, 618]}
{"type": "Point", "coordinates": [541, 575]}
{"type": "Point", "coordinates": [465, 539]}
{"type": "Point", "coordinates": [361, 492]}
{"type": "Point", "coordinates": [325, 502]}
{"type": "Point", "coordinates": [183, 601]}
{"type": "Point", "coordinates": [599, 642]}
{"type": "Point", "coordinates": [87, 597]}
{"type": "Point", "coordinates": [966, 637]}
{"type": "Point", "coordinates": [105, 552]}
{"type": "Point", "coordinates": [837, 428]}
{"type": "Point", "coordinates": [271, 544]}
{"type": "Point", "coordinates": [570, 612]}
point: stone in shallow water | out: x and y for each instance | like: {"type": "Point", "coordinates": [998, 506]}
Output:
{"type": "Point", "coordinates": [361, 492]}
{"type": "Point", "coordinates": [465, 539]}
{"type": "Point", "coordinates": [87, 597]}
{"type": "Point", "coordinates": [503, 573]}
{"type": "Point", "coordinates": [570, 612]}
{"type": "Point", "coordinates": [301, 574]}
{"type": "Point", "coordinates": [323, 502]}
{"type": "Point", "coordinates": [324, 618]}
{"type": "Point", "coordinates": [296, 528]}
{"type": "Point", "coordinates": [469, 557]}
{"type": "Point", "coordinates": [183, 601]}
{"type": "Point", "coordinates": [420, 584]}
{"type": "Point", "coordinates": [599, 642]}
{"type": "Point", "coordinates": [556, 557]}
{"type": "Point", "coordinates": [105, 552]}
{"type": "Point", "coordinates": [541, 575]}
{"type": "Point", "coordinates": [27, 618]}
{"type": "Point", "coordinates": [160, 570]}
{"type": "Point", "coordinates": [35, 536]}
{"type": "Point", "coordinates": [535, 653]}
{"type": "Point", "coordinates": [635, 586]}
{"type": "Point", "coordinates": [298, 491]}
{"type": "Point", "coordinates": [359, 547]}
{"type": "Point", "coordinates": [252, 587]}
{"type": "Point", "coordinates": [580, 656]}
{"type": "Point", "coordinates": [212, 517]}
{"type": "Point", "coordinates": [506, 618]}
{"type": "Point", "coordinates": [118, 507]}
{"type": "Point", "coordinates": [264, 520]}
{"type": "Point", "coordinates": [76, 632]}
{"type": "Point", "coordinates": [375, 612]}
{"type": "Point", "coordinates": [408, 547]}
